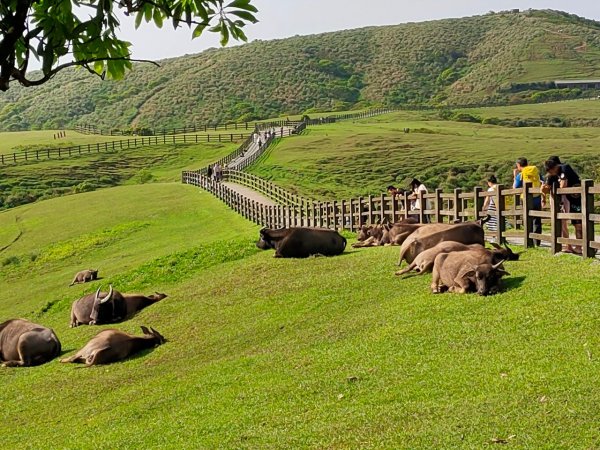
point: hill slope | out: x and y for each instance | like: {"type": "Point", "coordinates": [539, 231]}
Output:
{"type": "Point", "coordinates": [488, 58]}
{"type": "Point", "coordinates": [272, 353]}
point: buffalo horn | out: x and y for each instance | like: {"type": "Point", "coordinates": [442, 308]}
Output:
{"type": "Point", "coordinates": [497, 266]}
{"type": "Point", "coordinates": [109, 295]}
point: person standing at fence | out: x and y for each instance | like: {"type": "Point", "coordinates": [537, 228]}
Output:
{"type": "Point", "coordinates": [524, 173]}
{"type": "Point", "coordinates": [567, 177]}
{"type": "Point", "coordinates": [489, 205]}
{"type": "Point", "coordinates": [217, 172]}
{"type": "Point", "coordinates": [209, 172]}
{"type": "Point", "coordinates": [416, 187]}
{"type": "Point", "coordinates": [550, 185]}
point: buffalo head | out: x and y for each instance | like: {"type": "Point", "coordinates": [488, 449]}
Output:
{"type": "Point", "coordinates": [486, 277]}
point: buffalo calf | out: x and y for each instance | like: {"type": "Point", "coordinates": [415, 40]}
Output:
{"type": "Point", "coordinates": [301, 242]}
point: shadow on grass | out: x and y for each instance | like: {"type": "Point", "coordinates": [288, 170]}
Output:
{"type": "Point", "coordinates": [512, 283]}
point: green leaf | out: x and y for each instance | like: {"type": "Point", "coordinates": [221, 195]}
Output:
{"type": "Point", "coordinates": [138, 18]}
{"type": "Point", "coordinates": [148, 13]}
{"type": "Point", "coordinates": [198, 31]}
{"type": "Point", "coordinates": [244, 15]}
{"type": "Point", "coordinates": [224, 35]}
{"type": "Point", "coordinates": [158, 19]}
{"type": "Point", "coordinates": [242, 4]}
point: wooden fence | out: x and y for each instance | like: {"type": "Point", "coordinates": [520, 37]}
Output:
{"type": "Point", "coordinates": [229, 127]}
{"type": "Point", "coordinates": [85, 149]}
{"type": "Point", "coordinates": [351, 214]}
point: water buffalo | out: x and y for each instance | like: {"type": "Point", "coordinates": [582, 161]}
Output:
{"type": "Point", "coordinates": [23, 343]}
{"type": "Point", "coordinates": [424, 261]}
{"type": "Point", "coordinates": [101, 308]}
{"type": "Point", "coordinates": [301, 242]}
{"type": "Point", "coordinates": [385, 234]}
{"type": "Point", "coordinates": [110, 346]}
{"type": "Point", "coordinates": [428, 236]}
{"type": "Point", "coordinates": [84, 276]}
{"type": "Point", "coordinates": [466, 271]}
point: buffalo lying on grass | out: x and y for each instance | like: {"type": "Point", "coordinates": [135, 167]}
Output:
{"type": "Point", "coordinates": [110, 346]}
{"type": "Point", "coordinates": [301, 242]}
{"type": "Point", "coordinates": [85, 276]}
{"type": "Point", "coordinates": [423, 263]}
{"type": "Point", "coordinates": [23, 343]}
{"type": "Point", "coordinates": [467, 271]}
{"type": "Point", "coordinates": [102, 308]}
{"type": "Point", "coordinates": [428, 236]}
{"type": "Point", "coordinates": [376, 235]}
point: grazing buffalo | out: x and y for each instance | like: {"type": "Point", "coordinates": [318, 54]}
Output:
{"type": "Point", "coordinates": [101, 308]}
{"type": "Point", "coordinates": [466, 271]}
{"type": "Point", "coordinates": [428, 236]}
{"type": "Point", "coordinates": [110, 346]}
{"type": "Point", "coordinates": [423, 263]}
{"type": "Point", "coordinates": [301, 242]}
{"type": "Point", "coordinates": [84, 276]}
{"type": "Point", "coordinates": [23, 343]}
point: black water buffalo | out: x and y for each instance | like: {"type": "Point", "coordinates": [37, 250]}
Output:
{"type": "Point", "coordinates": [301, 242]}
{"type": "Point", "coordinates": [101, 308]}
{"type": "Point", "coordinates": [23, 343]}
{"type": "Point", "coordinates": [113, 345]}
{"type": "Point", "coordinates": [84, 276]}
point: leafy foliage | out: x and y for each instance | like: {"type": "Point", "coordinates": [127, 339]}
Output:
{"type": "Point", "coordinates": [49, 30]}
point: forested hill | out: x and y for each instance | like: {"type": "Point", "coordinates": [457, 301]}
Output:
{"type": "Point", "coordinates": [493, 58]}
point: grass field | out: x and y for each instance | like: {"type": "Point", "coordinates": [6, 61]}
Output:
{"type": "Point", "coordinates": [15, 141]}
{"type": "Point", "coordinates": [349, 159]}
{"type": "Point", "coordinates": [24, 183]}
{"type": "Point", "coordinates": [268, 353]}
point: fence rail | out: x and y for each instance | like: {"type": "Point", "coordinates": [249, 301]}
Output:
{"type": "Point", "coordinates": [84, 149]}
{"type": "Point", "coordinates": [351, 214]}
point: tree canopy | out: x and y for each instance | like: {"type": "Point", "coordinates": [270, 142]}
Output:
{"type": "Point", "coordinates": [65, 33]}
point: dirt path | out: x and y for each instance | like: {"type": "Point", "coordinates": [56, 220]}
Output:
{"type": "Point", "coordinates": [249, 193]}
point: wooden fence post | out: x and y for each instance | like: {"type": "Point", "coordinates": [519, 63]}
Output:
{"type": "Point", "coordinates": [423, 205]}
{"type": "Point", "coordinates": [500, 206]}
{"type": "Point", "coordinates": [555, 223]}
{"type": "Point", "coordinates": [371, 206]}
{"type": "Point", "coordinates": [382, 207]}
{"type": "Point", "coordinates": [360, 212]}
{"type": "Point", "coordinates": [438, 206]}
{"type": "Point", "coordinates": [477, 202]}
{"type": "Point", "coordinates": [527, 219]}
{"type": "Point", "coordinates": [457, 205]}
{"type": "Point", "coordinates": [587, 225]}
{"type": "Point", "coordinates": [406, 205]}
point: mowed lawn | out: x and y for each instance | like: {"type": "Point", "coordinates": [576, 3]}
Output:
{"type": "Point", "coordinates": [349, 159]}
{"type": "Point", "coordinates": [270, 353]}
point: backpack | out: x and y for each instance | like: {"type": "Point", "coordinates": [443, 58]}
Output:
{"type": "Point", "coordinates": [531, 174]}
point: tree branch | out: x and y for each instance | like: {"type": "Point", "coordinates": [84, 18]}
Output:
{"type": "Point", "coordinates": [18, 76]}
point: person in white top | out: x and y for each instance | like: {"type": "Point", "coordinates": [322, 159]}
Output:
{"type": "Point", "coordinates": [416, 186]}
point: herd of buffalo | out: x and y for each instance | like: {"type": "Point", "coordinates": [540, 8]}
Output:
{"type": "Point", "coordinates": [24, 343]}
{"type": "Point", "coordinates": [455, 253]}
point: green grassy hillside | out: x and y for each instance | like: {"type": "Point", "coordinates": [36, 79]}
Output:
{"type": "Point", "coordinates": [25, 183]}
{"type": "Point", "coordinates": [269, 353]}
{"type": "Point", "coordinates": [350, 159]}
{"type": "Point", "coordinates": [492, 58]}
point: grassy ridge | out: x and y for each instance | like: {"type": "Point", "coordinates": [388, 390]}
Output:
{"type": "Point", "coordinates": [484, 59]}
{"type": "Point", "coordinates": [26, 183]}
{"type": "Point", "coordinates": [351, 159]}
{"type": "Point", "coordinates": [323, 352]}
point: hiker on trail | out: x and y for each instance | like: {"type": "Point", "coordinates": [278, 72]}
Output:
{"type": "Point", "coordinates": [259, 143]}
{"type": "Point", "coordinates": [524, 173]}
{"type": "Point", "coordinates": [567, 177]}
{"type": "Point", "coordinates": [416, 186]}
{"type": "Point", "coordinates": [489, 205]}
{"type": "Point", "coordinates": [218, 172]}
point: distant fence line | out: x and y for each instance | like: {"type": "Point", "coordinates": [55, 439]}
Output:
{"type": "Point", "coordinates": [353, 213]}
{"type": "Point", "coordinates": [92, 129]}
{"type": "Point", "coordinates": [86, 149]}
